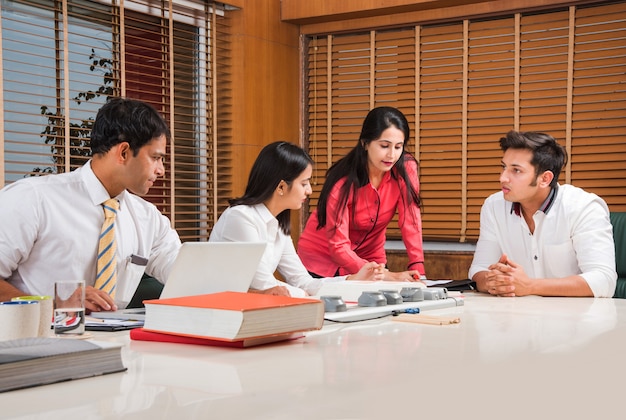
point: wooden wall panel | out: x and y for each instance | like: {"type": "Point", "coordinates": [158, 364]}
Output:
{"type": "Point", "coordinates": [440, 265]}
{"type": "Point", "coordinates": [265, 83]}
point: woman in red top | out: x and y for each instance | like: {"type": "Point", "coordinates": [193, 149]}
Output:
{"type": "Point", "coordinates": [361, 195]}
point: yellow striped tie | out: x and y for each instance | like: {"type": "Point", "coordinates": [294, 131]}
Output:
{"type": "Point", "coordinates": [106, 270]}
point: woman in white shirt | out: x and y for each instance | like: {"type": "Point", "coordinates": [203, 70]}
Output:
{"type": "Point", "coordinates": [278, 183]}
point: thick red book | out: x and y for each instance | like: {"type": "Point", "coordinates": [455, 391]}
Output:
{"type": "Point", "coordinates": [140, 334]}
{"type": "Point", "coordinates": [233, 315]}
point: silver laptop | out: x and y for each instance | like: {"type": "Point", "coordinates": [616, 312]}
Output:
{"type": "Point", "coordinates": [204, 267]}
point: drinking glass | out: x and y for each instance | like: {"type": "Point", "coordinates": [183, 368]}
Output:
{"type": "Point", "coordinates": [69, 307]}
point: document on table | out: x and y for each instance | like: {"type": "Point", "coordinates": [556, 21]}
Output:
{"type": "Point", "coordinates": [100, 324]}
{"type": "Point", "coordinates": [435, 282]}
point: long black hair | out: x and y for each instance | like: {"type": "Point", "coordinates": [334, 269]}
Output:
{"type": "Point", "coordinates": [278, 161]}
{"type": "Point", "coordinates": [353, 166]}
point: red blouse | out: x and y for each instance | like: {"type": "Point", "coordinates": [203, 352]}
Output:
{"type": "Point", "coordinates": [346, 244]}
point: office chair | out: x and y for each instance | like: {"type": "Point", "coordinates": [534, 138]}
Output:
{"type": "Point", "coordinates": [618, 220]}
{"type": "Point", "coordinates": [149, 288]}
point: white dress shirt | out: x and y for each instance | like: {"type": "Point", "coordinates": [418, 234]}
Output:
{"type": "Point", "coordinates": [572, 237]}
{"type": "Point", "coordinates": [49, 230]}
{"type": "Point", "coordinates": [256, 224]}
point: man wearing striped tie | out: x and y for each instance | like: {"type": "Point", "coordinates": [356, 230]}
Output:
{"type": "Point", "coordinates": [91, 224]}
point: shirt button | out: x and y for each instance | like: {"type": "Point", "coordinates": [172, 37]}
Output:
{"type": "Point", "coordinates": [372, 220]}
{"type": "Point", "coordinates": [536, 258]}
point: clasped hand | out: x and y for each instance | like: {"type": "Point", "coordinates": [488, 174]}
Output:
{"type": "Point", "coordinates": [506, 278]}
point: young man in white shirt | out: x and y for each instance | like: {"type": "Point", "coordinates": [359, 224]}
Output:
{"type": "Point", "coordinates": [50, 225]}
{"type": "Point", "coordinates": [538, 237]}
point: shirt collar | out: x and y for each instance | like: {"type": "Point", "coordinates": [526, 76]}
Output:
{"type": "Point", "coordinates": [265, 213]}
{"type": "Point", "coordinates": [545, 206]}
{"type": "Point", "coordinates": [96, 190]}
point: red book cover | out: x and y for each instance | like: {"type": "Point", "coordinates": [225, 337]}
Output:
{"type": "Point", "coordinates": [140, 334]}
{"type": "Point", "coordinates": [234, 301]}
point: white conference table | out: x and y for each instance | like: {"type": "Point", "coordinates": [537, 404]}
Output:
{"type": "Point", "coordinates": [508, 358]}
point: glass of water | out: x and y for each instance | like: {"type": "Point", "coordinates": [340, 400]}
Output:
{"type": "Point", "coordinates": [69, 307]}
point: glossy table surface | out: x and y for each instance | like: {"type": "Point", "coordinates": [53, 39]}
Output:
{"type": "Point", "coordinates": [525, 357]}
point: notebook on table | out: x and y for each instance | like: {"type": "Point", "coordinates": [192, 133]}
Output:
{"type": "Point", "coordinates": [204, 267]}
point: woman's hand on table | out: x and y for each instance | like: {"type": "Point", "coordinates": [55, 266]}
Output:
{"type": "Point", "coordinates": [409, 275]}
{"type": "Point", "coordinates": [372, 271]}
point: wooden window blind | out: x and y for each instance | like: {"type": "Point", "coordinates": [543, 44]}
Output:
{"type": "Point", "coordinates": [440, 130]}
{"type": "Point", "coordinates": [598, 102]}
{"type": "Point", "coordinates": [62, 59]}
{"type": "Point", "coordinates": [462, 86]}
